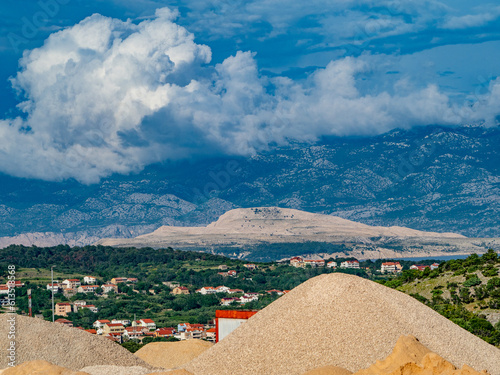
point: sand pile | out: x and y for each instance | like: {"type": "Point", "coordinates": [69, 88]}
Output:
{"type": "Point", "coordinates": [409, 357]}
{"type": "Point", "coordinates": [64, 346]}
{"type": "Point", "coordinates": [339, 320]}
{"type": "Point", "coordinates": [40, 368]}
{"type": "Point", "coordinates": [172, 354]}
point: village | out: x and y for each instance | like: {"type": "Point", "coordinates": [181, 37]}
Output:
{"type": "Point", "coordinates": [123, 330]}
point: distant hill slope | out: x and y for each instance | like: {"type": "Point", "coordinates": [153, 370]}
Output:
{"type": "Point", "coordinates": [244, 229]}
{"type": "Point", "coordinates": [431, 178]}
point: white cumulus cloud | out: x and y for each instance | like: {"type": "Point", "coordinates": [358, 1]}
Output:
{"type": "Point", "coordinates": [109, 96]}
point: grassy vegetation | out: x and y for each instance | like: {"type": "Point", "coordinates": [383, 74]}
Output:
{"type": "Point", "coordinates": [467, 291]}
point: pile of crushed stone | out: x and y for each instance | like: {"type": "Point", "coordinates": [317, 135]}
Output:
{"type": "Point", "coordinates": [339, 320]}
{"type": "Point", "coordinates": [37, 339]}
{"type": "Point", "coordinates": [170, 355]}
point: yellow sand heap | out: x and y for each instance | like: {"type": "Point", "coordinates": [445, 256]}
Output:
{"type": "Point", "coordinates": [40, 368]}
{"type": "Point", "coordinates": [172, 354]}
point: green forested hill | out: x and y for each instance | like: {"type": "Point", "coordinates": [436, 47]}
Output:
{"type": "Point", "coordinates": [467, 291]}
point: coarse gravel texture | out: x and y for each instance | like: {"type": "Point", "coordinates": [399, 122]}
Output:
{"type": "Point", "coordinates": [170, 355]}
{"type": "Point", "coordinates": [339, 320]}
{"type": "Point", "coordinates": [117, 370]}
{"type": "Point", "coordinates": [61, 345]}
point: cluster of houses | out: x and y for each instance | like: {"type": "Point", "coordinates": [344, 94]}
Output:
{"type": "Point", "coordinates": [422, 267]}
{"type": "Point", "coordinates": [4, 291]}
{"type": "Point", "coordinates": [70, 287]}
{"type": "Point", "coordinates": [303, 263]}
{"type": "Point", "coordinates": [121, 330]}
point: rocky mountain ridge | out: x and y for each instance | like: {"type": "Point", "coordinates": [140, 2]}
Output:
{"type": "Point", "coordinates": [431, 178]}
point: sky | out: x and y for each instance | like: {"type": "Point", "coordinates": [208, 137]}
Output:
{"type": "Point", "coordinates": [95, 87]}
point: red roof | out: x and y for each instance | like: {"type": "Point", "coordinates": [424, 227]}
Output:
{"type": "Point", "coordinates": [63, 321]}
{"type": "Point", "coordinates": [104, 321]}
{"type": "Point", "coordinates": [93, 331]}
{"type": "Point", "coordinates": [73, 280]}
{"type": "Point", "coordinates": [235, 314]}
{"type": "Point", "coordinates": [114, 324]}
{"type": "Point", "coordinates": [183, 288]}
{"type": "Point", "coordinates": [147, 320]}
{"type": "Point", "coordinates": [391, 264]}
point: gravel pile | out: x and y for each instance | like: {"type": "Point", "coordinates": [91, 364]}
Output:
{"type": "Point", "coordinates": [117, 370]}
{"type": "Point", "coordinates": [61, 345]}
{"type": "Point", "coordinates": [172, 354]}
{"type": "Point", "coordinates": [339, 320]}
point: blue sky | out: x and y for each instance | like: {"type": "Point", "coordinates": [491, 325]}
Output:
{"type": "Point", "coordinates": [111, 86]}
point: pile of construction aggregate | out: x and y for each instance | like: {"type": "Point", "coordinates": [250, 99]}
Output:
{"type": "Point", "coordinates": [339, 320]}
{"type": "Point", "coordinates": [37, 339]}
{"type": "Point", "coordinates": [172, 354]}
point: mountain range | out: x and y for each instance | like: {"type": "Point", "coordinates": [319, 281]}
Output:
{"type": "Point", "coordinates": [433, 178]}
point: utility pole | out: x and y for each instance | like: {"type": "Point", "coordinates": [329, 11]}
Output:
{"type": "Point", "coordinates": [52, 277]}
{"type": "Point", "coordinates": [29, 303]}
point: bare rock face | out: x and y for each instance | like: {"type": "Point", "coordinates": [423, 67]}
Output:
{"type": "Point", "coordinates": [244, 228]}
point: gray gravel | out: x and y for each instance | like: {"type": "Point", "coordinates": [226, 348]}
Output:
{"type": "Point", "coordinates": [63, 346]}
{"type": "Point", "coordinates": [339, 320]}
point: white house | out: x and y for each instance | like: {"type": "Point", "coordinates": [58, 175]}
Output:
{"type": "Point", "coordinates": [71, 283]}
{"type": "Point", "coordinates": [350, 264]}
{"type": "Point", "coordinates": [54, 287]}
{"type": "Point", "coordinates": [106, 288]}
{"type": "Point", "coordinates": [87, 288]}
{"type": "Point", "coordinates": [297, 262]}
{"type": "Point", "coordinates": [100, 323]}
{"type": "Point", "coordinates": [434, 266]}
{"type": "Point", "coordinates": [125, 322]}
{"type": "Point", "coordinates": [249, 297]}
{"type": "Point", "coordinates": [89, 280]}
{"type": "Point", "coordinates": [207, 290]}
{"type": "Point", "coordinates": [226, 301]}
{"type": "Point", "coordinates": [92, 308]}
{"type": "Point", "coordinates": [331, 264]}
{"type": "Point", "coordinates": [315, 262]}
{"type": "Point", "coordinates": [222, 289]}
{"type": "Point", "coordinates": [147, 323]}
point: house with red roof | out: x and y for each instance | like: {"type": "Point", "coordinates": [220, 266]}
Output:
{"type": "Point", "coordinates": [100, 323]}
{"type": "Point", "coordinates": [391, 267]}
{"type": "Point", "coordinates": [147, 323]}
{"type": "Point", "coordinates": [419, 267]}
{"type": "Point", "coordinates": [165, 332]}
{"type": "Point", "coordinates": [66, 322]}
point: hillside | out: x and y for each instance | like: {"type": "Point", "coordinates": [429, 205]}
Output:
{"type": "Point", "coordinates": [467, 291]}
{"type": "Point", "coordinates": [245, 232]}
{"type": "Point", "coordinates": [431, 179]}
